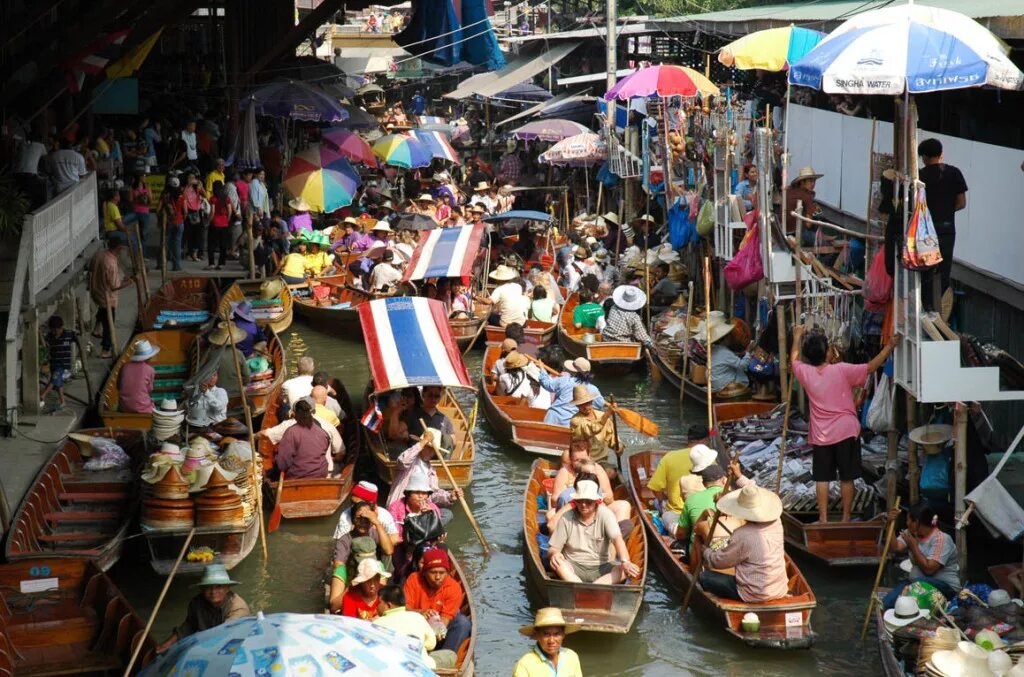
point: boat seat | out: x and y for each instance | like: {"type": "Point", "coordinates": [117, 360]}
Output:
{"type": "Point", "coordinates": [70, 516]}
{"type": "Point", "coordinates": [88, 664]}
{"type": "Point", "coordinates": [93, 497]}
{"type": "Point", "coordinates": [69, 538]}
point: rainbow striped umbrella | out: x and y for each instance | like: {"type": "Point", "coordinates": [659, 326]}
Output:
{"type": "Point", "coordinates": [665, 80]}
{"type": "Point", "coordinates": [323, 177]}
{"type": "Point", "coordinates": [399, 150]}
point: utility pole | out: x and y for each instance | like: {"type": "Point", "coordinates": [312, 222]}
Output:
{"type": "Point", "coordinates": [611, 19]}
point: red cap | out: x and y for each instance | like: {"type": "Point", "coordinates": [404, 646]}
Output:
{"type": "Point", "coordinates": [435, 558]}
{"type": "Point", "coordinates": [366, 491]}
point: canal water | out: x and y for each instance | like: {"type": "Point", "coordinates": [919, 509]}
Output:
{"type": "Point", "coordinates": [661, 641]}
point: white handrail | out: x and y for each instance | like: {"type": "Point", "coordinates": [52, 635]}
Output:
{"type": "Point", "coordinates": [14, 324]}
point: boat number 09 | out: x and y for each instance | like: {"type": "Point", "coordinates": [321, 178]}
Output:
{"type": "Point", "coordinates": [39, 572]}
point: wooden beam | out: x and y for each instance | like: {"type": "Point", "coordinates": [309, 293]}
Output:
{"type": "Point", "coordinates": [292, 38]}
{"type": "Point", "coordinates": [24, 21]}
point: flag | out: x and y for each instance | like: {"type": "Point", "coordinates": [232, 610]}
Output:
{"type": "Point", "coordinates": [94, 58]}
{"type": "Point", "coordinates": [133, 59]}
{"type": "Point", "coordinates": [372, 419]}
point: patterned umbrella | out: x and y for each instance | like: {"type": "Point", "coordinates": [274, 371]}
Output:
{"type": "Point", "coordinates": [293, 644]}
{"type": "Point", "coordinates": [580, 150]}
{"type": "Point", "coordinates": [322, 177]}
{"type": "Point", "coordinates": [349, 145]}
{"type": "Point", "coordinates": [437, 143]}
{"type": "Point", "coordinates": [400, 150]}
{"type": "Point", "coordinates": [548, 130]}
{"type": "Point", "coordinates": [662, 81]}
{"type": "Point", "coordinates": [773, 49]}
{"type": "Point", "coordinates": [297, 101]}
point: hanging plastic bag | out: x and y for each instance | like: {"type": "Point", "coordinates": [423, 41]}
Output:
{"type": "Point", "coordinates": [879, 416]}
{"type": "Point", "coordinates": [877, 284]}
{"type": "Point", "coordinates": [680, 230]}
{"type": "Point", "coordinates": [921, 243]}
{"type": "Point", "coordinates": [746, 267]}
{"type": "Point", "coordinates": [706, 218]}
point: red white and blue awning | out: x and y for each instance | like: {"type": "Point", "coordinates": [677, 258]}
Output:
{"type": "Point", "coordinates": [409, 343]}
{"type": "Point", "coordinates": [445, 252]}
{"type": "Point", "coordinates": [429, 120]}
{"type": "Point", "coordinates": [437, 143]}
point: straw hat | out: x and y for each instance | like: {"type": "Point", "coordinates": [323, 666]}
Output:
{"type": "Point", "coordinates": [581, 394]}
{"type": "Point", "coordinates": [601, 255]}
{"type": "Point", "coordinates": [548, 617]}
{"type": "Point", "coordinates": [752, 503]}
{"type": "Point", "coordinates": [577, 366]}
{"type": "Point", "coordinates": [299, 205]}
{"type": "Point", "coordinates": [611, 217]}
{"type": "Point", "coordinates": [425, 197]}
{"type": "Point", "coordinates": [967, 660]}
{"type": "Point", "coordinates": [243, 309]}
{"type": "Point", "coordinates": [719, 329]}
{"type": "Point", "coordinates": [701, 456]}
{"type": "Point", "coordinates": [350, 220]}
{"type": "Point", "coordinates": [805, 173]}
{"type": "Point", "coordinates": [580, 252]}
{"type": "Point", "coordinates": [933, 437]}
{"type": "Point", "coordinates": [515, 360]}
{"type": "Point", "coordinates": [508, 345]}
{"type": "Point", "coordinates": [203, 473]}
{"type": "Point", "coordinates": [645, 217]}
{"type": "Point", "coordinates": [225, 333]}
{"type": "Point", "coordinates": [381, 227]}
{"type": "Point", "coordinates": [215, 574]}
{"type": "Point", "coordinates": [369, 568]}
{"type": "Point", "coordinates": [503, 274]}
{"type": "Point", "coordinates": [586, 491]}
{"type": "Point", "coordinates": [483, 185]}
{"type": "Point", "coordinates": [628, 297]}
{"type": "Point", "coordinates": [905, 612]}
{"type": "Point", "coordinates": [143, 350]}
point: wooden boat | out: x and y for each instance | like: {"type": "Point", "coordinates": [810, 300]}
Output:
{"type": "Point", "coordinates": [231, 545]}
{"type": "Point", "coordinates": [538, 333]}
{"type": "Point", "coordinates": [891, 664]}
{"type": "Point", "coordinates": [275, 313]}
{"type": "Point", "coordinates": [73, 513]}
{"type": "Point", "coordinates": [597, 608]}
{"type": "Point", "coordinates": [460, 463]}
{"type": "Point", "coordinates": [176, 361]}
{"type": "Point", "coordinates": [182, 302]}
{"type": "Point", "coordinates": [515, 421]}
{"type": "Point", "coordinates": [785, 623]}
{"type": "Point", "coordinates": [338, 312]}
{"type": "Point", "coordinates": [310, 497]}
{"type": "Point", "coordinates": [834, 543]}
{"type": "Point", "coordinates": [624, 354]}
{"type": "Point", "coordinates": [174, 364]}
{"type": "Point", "coordinates": [464, 665]}
{"type": "Point", "coordinates": [66, 617]}
{"type": "Point", "coordinates": [668, 365]}
{"type": "Point", "coordinates": [465, 330]}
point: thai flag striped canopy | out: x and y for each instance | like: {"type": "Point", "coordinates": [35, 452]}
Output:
{"type": "Point", "coordinates": [437, 143]}
{"type": "Point", "coordinates": [422, 120]}
{"type": "Point", "coordinates": [409, 343]}
{"type": "Point", "coordinates": [908, 48]}
{"type": "Point", "coordinates": [445, 252]}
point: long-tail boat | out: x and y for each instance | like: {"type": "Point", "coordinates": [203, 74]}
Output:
{"type": "Point", "coordinates": [336, 311]}
{"type": "Point", "coordinates": [182, 302]}
{"type": "Point", "coordinates": [834, 543]}
{"type": "Point", "coordinates": [594, 607]}
{"type": "Point", "coordinates": [314, 496]}
{"type": "Point", "coordinates": [784, 623]}
{"type": "Point", "coordinates": [668, 363]}
{"type": "Point", "coordinates": [274, 312]}
{"type": "Point", "coordinates": [70, 512]}
{"type": "Point", "coordinates": [515, 421]}
{"type": "Point", "coordinates": [66, 617]}
{"type": "Point", "coordinates": [588, 343]}
{"type": "Point", "coordinates": [408, 344]}
{"type": "Point", "coordinates": [538, 333]}
{"type": "Point", "coordinates": [464, 664]}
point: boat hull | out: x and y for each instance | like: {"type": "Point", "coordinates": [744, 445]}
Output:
{"type": "Point", "coordinates": [616, 355]}
{"type": "Point", "coordinates": [250, 289]}
{"type": "Point", "coordinates": [183, 299]}
{"type": "Point", "coordinates": [333, 316]}
{"type": "Point", "coordinates": [232, 545]}
{"type": "Point", "coordinates": [537, 333]}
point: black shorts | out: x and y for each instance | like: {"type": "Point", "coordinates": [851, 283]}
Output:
{"type": "Point", "coordinates": [842, 458]}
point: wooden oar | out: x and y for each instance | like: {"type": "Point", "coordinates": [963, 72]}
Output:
{"type": "Point", "coordinates": [159, 601]}
{"type": "Point", "coordinates": [700, 565]}
{"type": "Point", "coordinates": [615, 434]}
{"type": "Point", "coordinates": [652, 366]}
{"type": "Point", "coordinates": [275, 516]}
{"type": "Point", "coordinates": [707, 328]}
{"type": "Point", "coordinates": [881, 569]}
{"type": "Point", "coordinates": [785, 418]}
{"type": "Point", "coordinates": [483, 325]}
{"type": "Point", "coordinates": [462, 498]}
{"type": "Point", "coordinates": [686, 343]}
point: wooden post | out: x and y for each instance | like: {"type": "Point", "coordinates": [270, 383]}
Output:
{"type": "Point", "coordinates": [913, 471]}
{"type": "Point", "coordinates": [161, 223]}
{"type": "Point", "coordinates": [686, 343]}
{"type": "Point", "coordinates": [867, 214]}
{"type": "Point", "coordinates": [141, 254]}
{"type": "Point", "coordinates": [115, 348]}
{"type": "Point", "coordinates": [780, 315]}
{"type": "Point", "coordinates": [707, 331]}
{"type": "Point", "coordinates": [892, 440]}
{"type": "Point", "coordinates": [252, 245]}
{"type": "Point", "coordinates": [960, 423]}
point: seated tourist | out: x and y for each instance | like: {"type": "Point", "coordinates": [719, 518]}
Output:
{"type": "Point", "coordinates": [208, 406]}
{"type": "Point", "coordinates": [244, 318]}
{"type": "Point", "coordinates": [563, 388]}
{"type": "Point", "coordinates": [433, 592]}
{"type": "Point", "coordinates": [137, 379]}
{"type": "Point", "coordinates": [622, 321]}
{"type": "Point", "coordinates": [366, 492]}
{"type": "Point", "coordinates": [398, 404]}
{"type": "Point", "coordinates": [300, 385]}
{"type": "Point", "coordinates": [586, 314]}
{"type": "Point", "coordinates": [548, 656]}
{"type": "Point", "coordinates": [336, 447]}
{"type": "Point", "coordinates": [672, 467]}
{"type": "Point", "coordinates": [305, 447]}
{"type": "Point", "coordinates": [363, 597]}
{"type": "Point", "coordinates": [507, 346]}
{"type": "Point", "coordinates": [321, 411]}
{"type": "Point", "coordinates": [428, 412]}
{"type": "Point", "coordinates": [322, 378]}
{"type": "Point", "coordinates": [729, 360]}
{"type": "Point", "coordinates": [362, 542]}
{"type": "Point", "coordinates": [395, 616]}
{"type": "Point", "coordinates": [539, 398]}
{"type": "Point", "coordinates": [513, 382]}
{"type": "Point", "coordinates": [710, 482]}
{"type": "Point", "coordinates": [507, 301]}
{"type": "Point", "coordinates": [579, 546]}
{"type": "Point", "coordinates": [414, 501]}
{"type": "Point", "coordinates": [754, 549]}
{"type": "Point", "coordinates": [933, 555]}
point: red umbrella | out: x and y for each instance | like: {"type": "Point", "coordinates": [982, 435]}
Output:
{"type": "Point", "coordinates": [350, 145]}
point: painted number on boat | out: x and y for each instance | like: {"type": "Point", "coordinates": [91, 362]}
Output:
{"type": "Point", "coordinates": [36, 572]}
{"type": "Point", "coordinates": [794, 619]}
{"type": "Point", "coordinates": [39, 585]}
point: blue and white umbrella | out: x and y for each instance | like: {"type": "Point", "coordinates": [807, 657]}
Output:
{"type": "Point", "coordinates": [907, 49]}
{"type": "Point", "coordinates": [300, 645]}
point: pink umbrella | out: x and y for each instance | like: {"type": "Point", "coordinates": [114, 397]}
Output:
{"type": "Point", "coordinates": [350, 145]}
{"type": "Point", "coordinates": [548, 130]}
{"type": "Point", "coordinates": [665, 80]}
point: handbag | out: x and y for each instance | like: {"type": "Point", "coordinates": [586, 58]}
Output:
{"type": "Point", "coordinates": [921, 243]}
{"type": "Point", "coordinates": [879, 416]}
{"type": "Point", "coordinates": [426, 526]}
{"type": "Point", "coordinates": [746, 267]}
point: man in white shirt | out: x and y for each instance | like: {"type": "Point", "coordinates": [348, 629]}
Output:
{"type": "Point", "coordinates": [507, 301]}
{"type": "Point", "coordinates": [67, 166]}
{"type": "Point", "coordinates": [188, 136]}
{"type": "Point", "coordinates": [299, 386]}
{"type": "Point", "coordinates": [366, 492]}
{"type": "Point", "coordinates": [385, 275]}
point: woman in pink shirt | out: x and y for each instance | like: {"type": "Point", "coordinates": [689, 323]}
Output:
{"type": "Point", "coordinates": [834, 426]}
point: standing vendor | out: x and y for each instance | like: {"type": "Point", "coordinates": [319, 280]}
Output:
{"type": "Point", "coordinates": [215, 604]}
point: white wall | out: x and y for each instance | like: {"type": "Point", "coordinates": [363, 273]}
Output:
{"type": "Point", "coordinates": [990, 231]}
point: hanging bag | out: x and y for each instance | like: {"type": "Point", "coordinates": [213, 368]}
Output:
{"type": "Point", "coordinates": [877, 284]}
{"type": "Point", "coordinates": [706, 218]}
{"type": "Point", "coordinates": [921, 243]}
{"type": "Point", "coordinates": [879, 416]}
{"type": "Point", "coordinates": [746, 267]}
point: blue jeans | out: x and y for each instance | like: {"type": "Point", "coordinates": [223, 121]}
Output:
{"type": "Point", "coordinates": [719, 584]}
{"type": "Point", "coordinates": [174, 235]}
{"type": "Point", "coordinates": [890, 599]}
{"type": "Point", "coordinates": [459, 629]}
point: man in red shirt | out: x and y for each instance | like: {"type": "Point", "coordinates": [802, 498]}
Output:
{"type": "Point", "coordinates": [435, 594]}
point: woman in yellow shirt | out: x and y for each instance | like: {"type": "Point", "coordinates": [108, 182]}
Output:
{"type": "Point", "coordinates": [293, 266]}
{"type": "Point", "coordinates": [319, 261]}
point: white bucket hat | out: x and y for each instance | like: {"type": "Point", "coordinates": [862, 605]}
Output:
{"type": "Point", "coordinates": [503, 274]}
{"type": "Point", "coordinates": [418, 483]}
{"type": "Point", "coordinates": [701, 456]}
{"type": "Point", "coordinates": [586, 491]}
{"type": "Point", "coordinates": [369, 568]}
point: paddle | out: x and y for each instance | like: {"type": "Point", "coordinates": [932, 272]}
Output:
{"type": "Point", "coordinates": [462, 498]}
{"type": "Point", "coordinates": [707, 327]}
{"type": "Point", "coordinates": [881, 568]}
{"type": "Point", "coordinates": [159, 601]}
{"type": "Point", "coordinates": [700, 565]}
{"type": "Point", "coordinates": [274, 523]}
{"type": "Point", "coordinates": [686, 343]}
{"type": "Point", "coordinates": [652, 367]}
{"type": "Point", "coordinates": [615, 433]}
{"type": "Point", "coordinates": [785, 418]}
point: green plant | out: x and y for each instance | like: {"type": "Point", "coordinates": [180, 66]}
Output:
{"type": "Point", "coordinates": [13, 207]}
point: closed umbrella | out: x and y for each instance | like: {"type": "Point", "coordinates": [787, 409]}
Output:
{"type": "Point", "coordinates": [323, 177]}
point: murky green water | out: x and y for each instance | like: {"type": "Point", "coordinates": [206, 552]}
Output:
{"type": "Point", "coordinates": [660, 643]}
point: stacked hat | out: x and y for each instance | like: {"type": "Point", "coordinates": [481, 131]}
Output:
{"type": "Point", "coordinates": [167, 419]}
